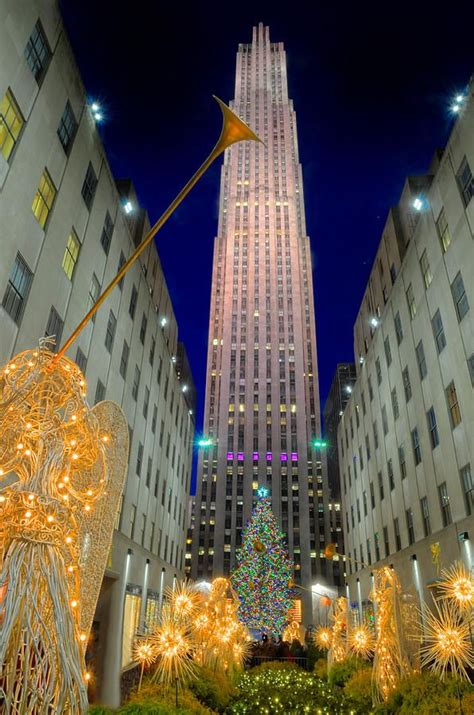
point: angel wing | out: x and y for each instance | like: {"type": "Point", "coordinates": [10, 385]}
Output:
{"type": "Point", "coordinates": [97, 528]}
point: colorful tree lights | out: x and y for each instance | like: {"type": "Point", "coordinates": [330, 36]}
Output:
{"type": "Point", "coordinates": [264, 573]}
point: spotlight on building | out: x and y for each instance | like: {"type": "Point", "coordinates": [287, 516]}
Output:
{"type": "Point", "coordinates": [463, 536]}
{"type": "Point", "coordinates": [319, 444]}
{"type": "Point", "coordinates": [455, 108]}
{"type": "Point", "coordinates": [98, 116]}
{"type": "Point", "coordinates": [459, 98]}
{"type": "Point", "coordinates": [173, 359]}
{"type": "Point", "coordinates": [128, 207]}
{"type": "Point", "coordinates": [184, 388]}
{"type": "Point", "coordinates": [95, 107]}
{"type": "Point", "coordinates": [204, 442]}
{"type": "Point", "coordinates": [341, 413]}
{"type": "Point", "coordinates": [418, 203]}
{"type": "Point", "coordinates": [163, 321]}
{"type": "Point", "coordinates": [361, 359]}
{"type": "Point", "coordinates": [348, 389]}
{"type": "Point", "coordinates": [374, 322]}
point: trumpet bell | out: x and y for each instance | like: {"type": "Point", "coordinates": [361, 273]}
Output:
{"type": "Point", "coordinates": [233, 129]}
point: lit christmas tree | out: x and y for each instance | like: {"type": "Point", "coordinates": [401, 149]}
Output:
{"type": "Point", "coordinates": [263, 579]}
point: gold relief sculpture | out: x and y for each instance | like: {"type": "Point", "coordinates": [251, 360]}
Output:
{"type": "Point", "coordinates": [63, 455]}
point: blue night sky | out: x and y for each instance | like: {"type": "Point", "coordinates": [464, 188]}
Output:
{"type": "Point", "coordinates": [371, 82]}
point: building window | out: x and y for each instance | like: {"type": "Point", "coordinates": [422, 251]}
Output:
{"type": "Point", "coordinates": [395, 407]}
{"type": "Point", "coordinates": [470, 366]}
{"type": "Point", "coordinates": [425, 269]}
{"type": "Point", "coordinates": [133, 516]}
{"type": "Point", "coordinates": [37, 52]}
{"type": "Point", "coordinates": [391, 480]}
{"type": "Point", "coordinates": [146, 402]}
{"type": "Point", "coordinates": [438, 331]}
{"type": "Point", "coordinates": [11, 123]}
{"type": "Point", "coordinates": [406, 384]}
{"type": "Point", "coordinates": [432, 428]}
{"type": "Point", "coordinates": [124, 359]}
{"type": "Point", "coordinates": [120, 264]}
{"type": "Point", "coordinates": [99, 392]}
{"type": "Point", "coordinates": [411, 301]}
{"type": "Point", "coordinates": [443, 231]}
{"type": "Point", "coordinates": [17, 289]}
{"type": "Point", "coordinates": [44, 199]}
{"type": "Point", "coordinates": [54, 327]}
{"type": "Point", "coordinates": [459, 296]}
{"type": "Point", "coordinates": [110, 332]}
{"type": "Point", "coordinates": [136, 382]}
{"type": "Point", "coordinates": [67, 128]}
{"type": "Point", "coordinates": [465, 181]}
{"type": "Point", "coordinates": [425, 513]}
{"type": "Point", "coordinates": [89, 186]}
{"type": "Point", "coordinates": [398, 540]}
{"type": "Point", "coordinates": [378, 370]}
{"type": "Point", "coordinates": [444, 503]}
{"type": "Point", "coordinates": [388, 352]}
{"type": "Point", "coordinates": [381, 490]}
{"type": "Point", "coordinates": [384, 420]}
{"type": "Point", "coordinates": [416, 445]}
{"type": "Point", "coordinates": [386, 541]}
{"type": "Point", "coordinates": [402, 461]}
{"type": "Point", "coordinates": [107, 232]}
{"type": "Point", "coordinates": [71, 254]}
{"type": "Point", "coordinates": [94, 292]}
{"type": "Point", "coordinates": [453, 405]}
{"type": "Point", "coordinates": [133, 302]}
{"type": "Point", "coordinates": [398, 327]}
{"type": "Point", "coordinates": [143, 329]}
{"type": "Point", "coordinates": [81, 360]}
{"type": "Point", "coordinates": [467, 484]}
{"type": "Point", "coordinates": [410, 527]}
{"type": "Point", "coordinates": [138, 468]}
{"type": "Point", "coordinates": [421, 360]}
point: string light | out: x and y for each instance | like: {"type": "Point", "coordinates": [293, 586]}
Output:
{"type": "Point", "coordinates": [448, 645]}
{"type": "Point", "coordinates": [361, 642]}
{"type": "Point", "coordinates": [457, 584]}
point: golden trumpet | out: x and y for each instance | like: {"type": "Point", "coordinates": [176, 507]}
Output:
{"type": "Point", "coordinates": [233, 130]}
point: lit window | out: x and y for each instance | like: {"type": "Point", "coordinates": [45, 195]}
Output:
{"type": "Point", "coordinates": [44, 199]}
{"type": "Point", "coordinates": [425, 269]}
{"type": "Point", "coordinates": [453, 405]}
{"type": "Point", "coordinates": [71, 254]}
{"type": "Point", "coordinates": [444, 503]}
{"type": "Point", "coordinates": [11, 123]}
{"type": "Point", "coordinates": [443, 231]}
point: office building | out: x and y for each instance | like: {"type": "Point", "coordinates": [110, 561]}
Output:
{"type": "Point", "coordinates": [406, 452]}
{"type": "Point", "coordinates": [262, 410]}
{"type": "Point", "coordinates": [67, 227]}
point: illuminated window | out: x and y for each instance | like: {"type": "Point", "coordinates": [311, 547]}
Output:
{"type": "Point", "coordinates": [131, 618]}
{"type": "Point", "coordinates": [11, 123]}
{"type": "Point", "coordinates": [71, 254]}
{"type": "Point", "coordinates": [443, 231]}
{"type": "Point", "coordinates": [425, 269]}
{"type": "Point", "coordinates": [453, 405]}
{"type": "Point", "coordinates": [44, 199]}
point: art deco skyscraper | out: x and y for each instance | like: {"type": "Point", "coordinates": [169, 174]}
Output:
{"type": "Point", "coordinates": [262, 394]}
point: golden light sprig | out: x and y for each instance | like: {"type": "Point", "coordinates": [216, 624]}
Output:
{"type": "Point", "coordinates": [323, 637]}
{"type": "Point", "coordinates": [448, 641]}
{"type": "Point", "coordinates": [183, 599]}
{"type": "Point", "coordinates": [293, 633]}
{"type": "Point", "coordinates": [457, 584]}
{"type": "Point", "coordinates": [173, 647]}
{"type": "Point", "coordinates": [361, 642]}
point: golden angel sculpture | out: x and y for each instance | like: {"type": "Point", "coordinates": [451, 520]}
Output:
{"type": "Point", "coordinates": [58, 460]}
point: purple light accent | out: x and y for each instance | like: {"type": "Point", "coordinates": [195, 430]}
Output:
{"type": "Point", "coordinates": [240, 456]}
{"type": "Point", "coordinates": [269, 456]}
{"type": "Point", "coordinates": [283, 457]}
{"type": "Point", "coordinates": [230, 455]}
{"type": "Point", "coordinates": [294, 456]}
{"type": "Point", "coordinates": [255, 456]}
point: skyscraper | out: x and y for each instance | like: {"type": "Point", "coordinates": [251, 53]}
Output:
{"type": "Point", "coordinates": [262, 394]}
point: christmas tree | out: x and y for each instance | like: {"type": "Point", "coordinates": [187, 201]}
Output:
{"type": "Point", "coordinates": [263, 578]}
